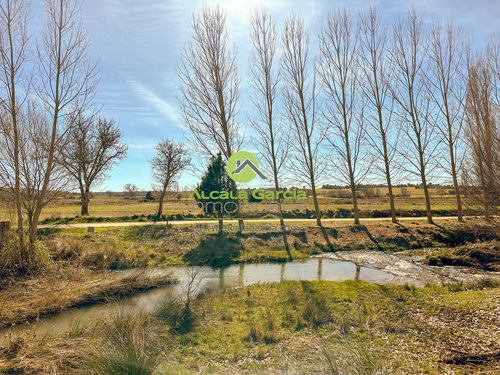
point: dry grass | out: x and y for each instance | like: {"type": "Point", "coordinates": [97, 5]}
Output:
{"type": "Point", "coordinates": [102, 206]}
{"type": "Point", "coordinates": [354, 328]}
{"type": "Point", "coordinates": [60, 289]}
{"type": "Point", "coordinates": [60, 355]}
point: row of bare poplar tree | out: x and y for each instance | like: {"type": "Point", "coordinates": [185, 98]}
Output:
{"type": "Point", "coordinates": [371, 98]}
{"type": "Point", "coordinates": [51, 136]}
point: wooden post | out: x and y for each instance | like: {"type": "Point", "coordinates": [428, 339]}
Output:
{"type": "Point", "coordinates": [4, 228]}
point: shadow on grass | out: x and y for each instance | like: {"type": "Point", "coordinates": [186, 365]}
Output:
{"type": "Point", "coordinates": [214, 250]}
{"type": "Point", "coordinates": [327, 238]}
{"type": "Point", "coordinates": [370, 236]}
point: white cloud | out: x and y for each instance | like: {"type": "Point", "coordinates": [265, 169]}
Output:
{"type": "Point", "coordinates": [148, 97]}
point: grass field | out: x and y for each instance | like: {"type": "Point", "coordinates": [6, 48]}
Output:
{"type": "Point", "coordinates": [293, 327]}
{"type": "Point", "coordinates": [103, 206]}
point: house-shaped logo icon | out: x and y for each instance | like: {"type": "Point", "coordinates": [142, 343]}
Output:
{"type": "Point", "coordinates": [243, 167]}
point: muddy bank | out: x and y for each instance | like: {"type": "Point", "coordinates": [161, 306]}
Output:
{"type": "Point", "coordinates": [161, 245]}
{"type": "Point", "coordinates": [57, 291]}
{"type": "Point", "coordinates": [485, 255]}
{"type": "Point", "coordinates": [415, 267]}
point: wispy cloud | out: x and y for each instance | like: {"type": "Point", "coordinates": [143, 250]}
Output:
{"type": "Point", "coordinates": [147, 96]}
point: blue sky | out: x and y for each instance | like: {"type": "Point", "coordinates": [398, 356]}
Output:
{"type": "Point", "coordinates": [138, 43]}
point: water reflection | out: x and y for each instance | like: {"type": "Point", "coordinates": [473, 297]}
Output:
{"type": "Point", "coordinates": [239, 275]}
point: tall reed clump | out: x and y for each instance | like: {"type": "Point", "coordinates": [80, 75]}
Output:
{"type": "Point", "coordinates": [18, 260]}
{"type": "Point", "coordinates": [348, 357]}
{"type": "Point", "coordinates": [178, 315]}
{"type": "Point", "coordinates": [129, 346]}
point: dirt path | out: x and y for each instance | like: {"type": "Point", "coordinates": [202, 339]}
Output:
{"type": "Point", "coordinates": [235, 221]}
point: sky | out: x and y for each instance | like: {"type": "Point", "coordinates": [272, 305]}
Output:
{"type": "Point", "coordinates": [138, 43]}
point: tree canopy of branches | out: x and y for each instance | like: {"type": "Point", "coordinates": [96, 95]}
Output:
{"type": "Point", "coordinates": [130, 190]}
{"type": "Point", "coordinates": [270, 134]}
{"type": "Point", "coordinates": [63, 81]}
{"type": "Point", "coordinates": [343, 117]}
{"type": "Point", "coordinates": [381, 134]}
{"type": "Point", "coordinates": [170, 160]}
{"type": "Point", "coordinates": [447, 80]}
{"type": "Point", "coordinates": [14, 53]}
{"type": "Point", "coordinates": [93, 146]}
{"type": "Point", "coordinates": [299, 94]}
{"type": "Point", "coordinates": [209, 83]}
{"type": "Point", "coordinates": [408, 61]}
{"type": "Point", "coordinates": [483, 136]}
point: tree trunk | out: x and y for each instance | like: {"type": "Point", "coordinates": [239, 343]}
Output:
{"type": "Point", "coordinates": [4, 228]}
{"type": "Point", "coordinates": [160, 202]}
{"type": "Point", "coordinates": [454, 175]}
{"type": "Point", "coordinates": [387, 171]}
{"type": "Point", "coordinates": [31, 250]}
{"type": "Point", "coordinates": [427, 202]}
{"type": "Point", "coordinates": [85, 202]}
{"type": "Point", "coordinates": [221, 223]}
{"type": "Point", "coordinates": [354, 202]}
{"type": "Point", "coordinates": [351, 172]}
{"type": "Point", "coordinates": [426, 191]}
{"type": "Point", "coordinates": [457, 193]}
{"type": "Point", "coordinates": [424, 180]}
{"type": "Point", "coordinates": [391, 200]}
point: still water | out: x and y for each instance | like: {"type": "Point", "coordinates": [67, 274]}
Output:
{"type": "Point", "coordinates": [239, 275]}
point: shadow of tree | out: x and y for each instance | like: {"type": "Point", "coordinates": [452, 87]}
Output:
{"type": "Point", "coordinates": [370, 236]}
{"type": "Point", "coordinates": [327, 232]}
{"type": "Point", "coordinates": [214, 250]}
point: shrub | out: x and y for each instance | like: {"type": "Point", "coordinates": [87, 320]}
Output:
{"type": "Point", "coordinates": [343, 213]}
{"type": "Point", "coordinates": [440, 258]}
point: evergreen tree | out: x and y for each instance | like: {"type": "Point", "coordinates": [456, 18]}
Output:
{"type": "Point", "coordinates": [216, 178]}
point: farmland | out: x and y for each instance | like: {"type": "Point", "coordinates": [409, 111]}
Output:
{"type": "Point", "coordinates": [131, 209]}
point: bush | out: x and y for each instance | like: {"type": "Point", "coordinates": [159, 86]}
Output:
{"type": "Point", "coordinates": [343, 213]}
{"type": "Point", "coordinates": [12, 263]}
{"type": "Point", "coordinates": [253, 199]}
{"type": "Point", "coordinates": [380, 213]}
{"type": "Point", "coordinates": [214, 250]}
{"type": "Point", "coordinates": [441, 258]}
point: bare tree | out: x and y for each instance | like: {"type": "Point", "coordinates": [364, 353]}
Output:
{"type": "Point", "coordinates": [380, 131]}
{"type": "Point", "coordinates": [493, 59]}
{"type": "Point", "coordinates": [166, 166]}
{"type": "Point", "coordinates": [130, 189]}
{"type": "Point", "coordinates": [93, 146]}
{"type": "Point", "coordinates": [14, 54]}
{"type": "Point", "coordinates": [408, 61]}
{"type": "Point", "coordinates": [271, 137]}
{"type": "Point", "coordinates": [345, 125]}
{"type": "Point", "coordinates": [483, 136]}
{"type": "Point", "coordinates": [35, 134]}
{"type": "Point", "coordinates": [209, 85]}
{"type": "Point", "coordinates": [299, 94]}
{"type": "Point", "coordinates": [67, 83]}
{"type": "Point", "coordinates": [447, 87]}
